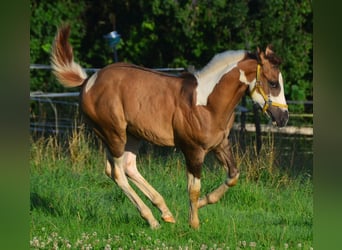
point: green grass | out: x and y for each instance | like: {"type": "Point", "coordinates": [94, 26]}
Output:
{"type": "Point", "coordinates": [74, 205]}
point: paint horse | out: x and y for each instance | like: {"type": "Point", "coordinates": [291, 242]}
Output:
{"type": "Point", "coordinates": [125, 103]}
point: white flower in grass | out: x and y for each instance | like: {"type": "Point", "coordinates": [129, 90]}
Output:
{"type": "Point", "coordinates": [252, 244]}
{"type": "Point", "coordinates": [34, 242]}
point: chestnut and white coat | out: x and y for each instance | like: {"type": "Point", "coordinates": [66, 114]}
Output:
{"type": "Point", "coordinates": [125, 103]}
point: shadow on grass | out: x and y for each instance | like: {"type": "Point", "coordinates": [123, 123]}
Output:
{"type": "Point", "coordinates": [43, 204]}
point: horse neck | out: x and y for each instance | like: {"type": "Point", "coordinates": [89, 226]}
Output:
{"type": "Point", "coordinates": [230, 89]}
{"type": "Point", "coordinates": [210, 75]}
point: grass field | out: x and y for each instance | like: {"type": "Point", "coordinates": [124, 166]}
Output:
{"type": "Point", "coordinates": [74, 205]}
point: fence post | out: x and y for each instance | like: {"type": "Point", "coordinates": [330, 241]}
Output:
{"type": "Point", "coordinates": [257, 126]}
{"type": "Point", "coordinates": [243, 125]}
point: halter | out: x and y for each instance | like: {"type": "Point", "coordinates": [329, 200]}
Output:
{"type": "Point", "coordinates": [267, 99]}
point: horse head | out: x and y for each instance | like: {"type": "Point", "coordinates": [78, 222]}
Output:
{"type": "Point", "coordinates": [268, 90]}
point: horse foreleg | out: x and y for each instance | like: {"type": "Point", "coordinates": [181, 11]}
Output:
{"type": "Point", "coordinates": [224, 154]}
{"type": "Point", "coordinates": [217, 194]}
{"type": "Point", "coordinates": [115, 170]}
{"type": "Point", "coordinates": [135, 176]}
{"type": "Point", "coordinates": [194, 160]}
{"type": "Point", "coordinates": [194, 187]}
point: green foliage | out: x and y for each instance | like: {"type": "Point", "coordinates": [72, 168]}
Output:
{"type": "Point", "coordinates": [46, 16]}
{"type": "Point", "coordinates": [177, 34]}
{"type": "Point", "coordinates": [288, 26]}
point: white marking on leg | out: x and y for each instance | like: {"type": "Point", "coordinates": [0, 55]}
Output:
{"type": "Point", "coordinates": [91, 82]}
{"type": "Point", "coordinates": [133, 173]}
{"type": "Point", "coordinates": [194, 187]}
{"type": "Point", "coordinates": [122, 181]}
{"type": "Point", "coordinates": [214, 196]}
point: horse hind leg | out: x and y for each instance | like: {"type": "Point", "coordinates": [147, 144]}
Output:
{"type": "Point", "coordinates": [115, 170]}
{"type": "Point", "coordinates": [134, 175]}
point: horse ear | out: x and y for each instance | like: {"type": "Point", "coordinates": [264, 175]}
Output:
{"type": "Point", "coordinates": [269, 50]}
{"type": "Point", "coordinates": [271, 56]}
{"type": "Point", "coordinates": [260, 55]}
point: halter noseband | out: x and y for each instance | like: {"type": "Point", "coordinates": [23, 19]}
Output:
{"type": "Point", "coordinates": [267, 99]}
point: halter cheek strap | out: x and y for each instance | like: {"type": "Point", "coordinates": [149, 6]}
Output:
{"type": "Point", "coordinates": [267, 99]}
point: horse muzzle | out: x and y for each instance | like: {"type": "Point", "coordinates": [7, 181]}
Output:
{"type": "Point", "coordinates": [279, 116]}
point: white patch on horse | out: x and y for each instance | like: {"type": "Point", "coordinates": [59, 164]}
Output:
{"type": "Point", "coordinates": [243, 78]}
{"type": "Point", "coordinates": [280, 98]}
{"type": "Point", "coordinates": [210, 75]}
{"type": "Point", "coordinates": [256, 96]}
{"type": "Point", "coordinates": [91, 82]}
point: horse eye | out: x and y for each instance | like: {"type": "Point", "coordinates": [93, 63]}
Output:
{"type": "Point", "coordinates": [273, 84]}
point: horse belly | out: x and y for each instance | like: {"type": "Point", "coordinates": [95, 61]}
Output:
{"type": "Point", "coordinates": [153, 132]}
{"type": "Point", "coordinates": [151, 121]}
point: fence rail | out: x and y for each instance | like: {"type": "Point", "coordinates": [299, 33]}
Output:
{"type": "Point", "coordinates": [48, 67]}
{"type": "Point", "coordinates": [290, 130]}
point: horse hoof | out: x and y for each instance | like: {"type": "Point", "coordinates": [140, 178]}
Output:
{"type": "Point", "coordinates": [154, 225]}
{"type": "Point", "coordinates": [195, 226]}
{"type": "Point", "coordinates": [169, 219]}
{"type": "Point", "coordinates": [232, 182]}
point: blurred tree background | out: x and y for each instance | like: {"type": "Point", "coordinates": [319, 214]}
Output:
{"type": "Point", "coordinates": [176, 33]}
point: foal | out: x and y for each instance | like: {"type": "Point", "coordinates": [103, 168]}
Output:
{"type": "Point", "coordinates": [124, 103]}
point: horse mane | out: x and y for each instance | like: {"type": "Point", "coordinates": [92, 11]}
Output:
{"type": "Point", "coordinates": [220, 60]}
{"type": "Point", "coordinates": [252, 55]}
{"type": "Point", "coordinates": [274, 59]}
